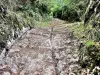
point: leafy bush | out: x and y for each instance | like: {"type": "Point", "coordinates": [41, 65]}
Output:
{"type": "Point", "coordinates": [19, 14]}
{"type": "Point", "coordinates": [90, 49]}
{"type": "Point", "coordinates": [66, 13]}
{"type": "Point", "coordinates": [70, 10]}
{"type": "Point", "coordinates": [90, 55]}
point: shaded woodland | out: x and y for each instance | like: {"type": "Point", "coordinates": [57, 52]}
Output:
{"type": "Point", "coordinates": [18, 16]}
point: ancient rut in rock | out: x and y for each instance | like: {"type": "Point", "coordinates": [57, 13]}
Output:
{"type": "Point", "coordinates": [43, 51]}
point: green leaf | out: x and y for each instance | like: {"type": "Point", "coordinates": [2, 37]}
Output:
{"type": "Point", "coordinates": [90, 43]}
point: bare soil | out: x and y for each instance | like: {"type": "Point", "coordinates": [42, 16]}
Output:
{"type": "Point", "coordinates": [51, 50]}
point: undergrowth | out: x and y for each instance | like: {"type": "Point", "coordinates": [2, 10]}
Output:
{"type": "Point", "coordinates": [15, 15]}
{"type": "Point", "coordinates": [89, 45]}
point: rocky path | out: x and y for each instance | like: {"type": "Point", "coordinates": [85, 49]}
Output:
{"type": "Point", "coordinates": [43, 51]}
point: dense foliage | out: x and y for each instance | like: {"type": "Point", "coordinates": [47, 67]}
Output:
{"type": "Point", "coordinates": [90, 48]}
{"type": "Point", "coordinates": [18, 14]}
{"type": "Point", "coordinates": [70, 10]}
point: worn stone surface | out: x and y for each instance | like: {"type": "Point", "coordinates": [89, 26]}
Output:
{"type": "Point", "coordinates": [43, 51]}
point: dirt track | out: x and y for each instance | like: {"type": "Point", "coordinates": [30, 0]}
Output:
{"type": "Point", "coordinates": [43, 51]}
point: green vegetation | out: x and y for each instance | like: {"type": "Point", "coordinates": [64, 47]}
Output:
{"type": "Point", "coordinates": [70, 10]}
{"type": "Point", "coordinates": [16, 14]}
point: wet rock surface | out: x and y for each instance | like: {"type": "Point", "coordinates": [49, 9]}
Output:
{"type": "Point", "coordinates": [43, 51]}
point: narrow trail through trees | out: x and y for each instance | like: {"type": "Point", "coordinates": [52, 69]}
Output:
{"type": "Point", "coordinates": [49, 50]}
